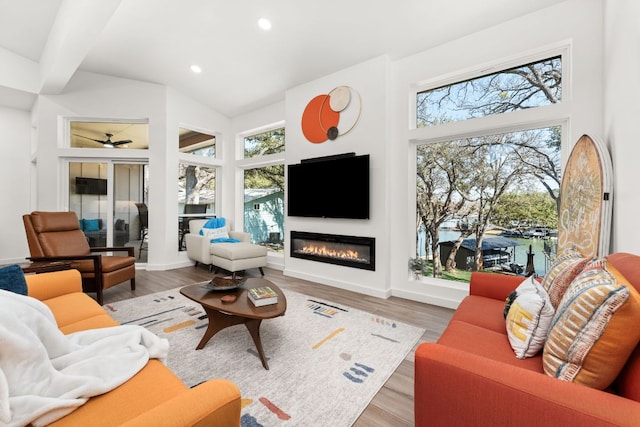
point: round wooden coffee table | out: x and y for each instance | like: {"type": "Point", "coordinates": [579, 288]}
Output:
{"type": "Point", "coordinates": [241, 311]}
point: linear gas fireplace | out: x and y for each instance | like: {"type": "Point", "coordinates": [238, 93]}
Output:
{"type": "Point", "coordinates": [349, 251]}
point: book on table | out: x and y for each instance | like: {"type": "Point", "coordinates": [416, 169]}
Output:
{"type": "Point", "coordinates": [263, 295]}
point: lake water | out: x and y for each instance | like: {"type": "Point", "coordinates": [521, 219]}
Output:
{"type": "Point", "coordinates": [537, 247]}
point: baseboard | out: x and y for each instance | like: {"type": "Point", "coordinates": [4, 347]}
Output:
{"type": "Point", "coordinates": [348, 286]}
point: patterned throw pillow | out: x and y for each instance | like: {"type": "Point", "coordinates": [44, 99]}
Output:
{"type": "Point", "coordinates": [595, 328]}
{"type": "Point", "coordinates": [529, 319]}
{"type": "Point", "coordinates": [564, 269]}
{"type": "Point", "coordinates": [215, 233]}
{"type": "Point", "coordinates": [215, 228]}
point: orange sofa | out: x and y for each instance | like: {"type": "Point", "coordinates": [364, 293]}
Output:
{"type": "Point", "coordinates": [471, 376]}
{"type": "Point", "coordinates": [154, 396]}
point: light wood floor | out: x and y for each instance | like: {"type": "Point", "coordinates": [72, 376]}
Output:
{"type": "Point", "coordinates": [393, 405]}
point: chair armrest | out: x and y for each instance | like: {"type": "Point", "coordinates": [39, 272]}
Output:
{"type": "Point", "coordinates": [213, 403]}
{"type": "Point", "coordinates": [240, 235]}
{"type": "Point", "coordinates": [453, 387]}
{"type": "Point", "coordinates": [493, 285]}
{"type": "Point", "coordinates": [128, 249]}
{"type": "Point", "coordinates": [198, 247]}
{"type": "Point", "coordinates": [45, 286]}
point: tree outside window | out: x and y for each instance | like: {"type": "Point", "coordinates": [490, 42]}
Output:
{"type": "Point", "coordinates": [470, 189]}
{"type": "Point", "coordinates": [264, 190]}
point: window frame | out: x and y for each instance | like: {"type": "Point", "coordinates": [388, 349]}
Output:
{"type": "Point", "coordinates": [243, 164]}
{"type": "Point", "coordinates": [513, 121]}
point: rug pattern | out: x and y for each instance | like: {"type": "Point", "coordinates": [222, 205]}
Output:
{"type": "Point", "coordinates": [326, 360]}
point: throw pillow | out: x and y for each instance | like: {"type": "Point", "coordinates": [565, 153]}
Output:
{"type": "Point", "coordinates": [12, 279]}
{"type": "Point", "coordinates": [564, 269]}
{"type": "Point", "coordinates": [595, 328]}
{"type": "Point", "coordinates": [215, 233]}
{"type": "Point", "coordinates": [529, 319]}
{"type": "Point", "coordinates": [91, 225]}
{"type": "Point", "coordinates": [215, 223]}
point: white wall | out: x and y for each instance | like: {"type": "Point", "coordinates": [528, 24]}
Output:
{"type": "Point", "coordinates": [15, 168]}
{"type": "Point", "coordinates": [369, 136]}
{"type": "Point", "coordinates": [622, 90]}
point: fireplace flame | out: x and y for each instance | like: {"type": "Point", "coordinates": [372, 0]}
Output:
{"type": "Point", "coordinates": [322, 250]}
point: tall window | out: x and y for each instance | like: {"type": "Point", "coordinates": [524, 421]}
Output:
{"type": "Point", "coordinates": [196, 185]}
{"type": "Point", "coordinates": [489, 202]}
{"type": "Point", "coordinates": [264, 189]}
{"type": "Point", "coordinates": [196, 179]}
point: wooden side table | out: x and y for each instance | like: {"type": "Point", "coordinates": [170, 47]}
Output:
{"type": "Point", "coordinates": [45, 266]}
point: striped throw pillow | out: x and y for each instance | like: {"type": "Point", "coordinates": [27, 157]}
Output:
{"type": "Point", "coordinates": [564, 269]}
{"type": "Point", "coordinates": [595, 328]}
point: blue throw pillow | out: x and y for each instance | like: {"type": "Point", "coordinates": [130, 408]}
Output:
{"type": "Point", "coordinates": [12, 279]}
{"type": "Point", "coordinates": [224, 240]}
{"type": "Point", "coordinates": [214, 223]}
{"type": "Point", "coordinates": [91, 225]}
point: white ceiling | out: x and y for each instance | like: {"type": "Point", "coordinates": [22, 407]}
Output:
{"type": "Point", "coordinates": [244, 67]}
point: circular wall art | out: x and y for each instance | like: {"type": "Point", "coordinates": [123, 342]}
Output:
{"type": "Point", "coordinates": [331, 115]}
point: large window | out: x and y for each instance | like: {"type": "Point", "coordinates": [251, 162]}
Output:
{"type": "Point", "coordinates": [264, 188]}
{"type": "Point", "coordinates": [197, 169]}
{"type": "Point", "coordinates": [489, 201]}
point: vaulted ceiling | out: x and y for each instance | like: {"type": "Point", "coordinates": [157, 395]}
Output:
{"type": "Point", "coordinates": [44, 42]}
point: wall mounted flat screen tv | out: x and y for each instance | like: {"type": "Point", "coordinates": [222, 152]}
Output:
{"type": "Point", "coordinates": [329, 187]}
{"type": "Point", "coordinates": [91, 186]}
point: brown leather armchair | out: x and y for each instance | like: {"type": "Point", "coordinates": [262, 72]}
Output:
{"type": "Point", "coordinates": [56, 236]}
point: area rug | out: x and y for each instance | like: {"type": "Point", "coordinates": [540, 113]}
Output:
{"type": "Point", "coordinates": [326, 361]}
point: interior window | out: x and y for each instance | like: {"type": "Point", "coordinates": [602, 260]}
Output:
{"type": "Point", "coordinates": [110, 135]}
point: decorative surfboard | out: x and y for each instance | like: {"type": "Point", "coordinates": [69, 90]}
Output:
{"type": "Point", "coordinates": [584, 219]}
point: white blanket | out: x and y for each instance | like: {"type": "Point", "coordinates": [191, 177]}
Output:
{"type": "Point", "coordinates": [44, 374]}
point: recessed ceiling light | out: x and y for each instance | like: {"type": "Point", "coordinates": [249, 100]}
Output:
{"type": "Point", "coordinates": [196, 69]}
{"type": "Point", "coordinates": [264, 23]}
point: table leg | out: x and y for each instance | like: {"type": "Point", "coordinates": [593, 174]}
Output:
{"type": "Point", "coordinates": [217, 322]}
{"type": "Point", "coordinates": [253, 325]}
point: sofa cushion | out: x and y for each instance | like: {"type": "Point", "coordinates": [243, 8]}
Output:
{"type": "Point", "coordinates": [595, 328]}
{"type": "Point", "coordinates": [481, 311]}
{"type": "Point", "coordinates": [486, 343]}
{"type": "Point", "coordinates": [75, 308]}
{"type": "Point", "coordinates": [12, 279]}
{"type": "Point", "coordinates": [152, 386]}
{"type": "Point", "coordinates": [564, 269]}
{"type": "Point", "coordinates": [241, 250]}
{"type": "Point", "coordinates": [529, 319]}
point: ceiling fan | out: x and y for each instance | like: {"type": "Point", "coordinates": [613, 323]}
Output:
{"type": "Point", "coordinates": [108, 142]}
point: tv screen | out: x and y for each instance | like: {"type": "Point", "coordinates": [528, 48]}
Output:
{"type": "Point", "coordinates": [329, 187]}
{"type": "Point", "coordinates": [91, 186]}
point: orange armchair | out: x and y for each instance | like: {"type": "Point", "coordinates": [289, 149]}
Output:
{"type": "Point", "coordinates": [56, 236]}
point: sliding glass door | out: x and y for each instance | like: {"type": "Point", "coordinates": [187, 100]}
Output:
{"type": "Point", "coordinates": [110, 200]}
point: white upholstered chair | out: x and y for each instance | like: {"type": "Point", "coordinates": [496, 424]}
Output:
{"type": "Point", "coordinates": [232, 257]}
